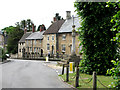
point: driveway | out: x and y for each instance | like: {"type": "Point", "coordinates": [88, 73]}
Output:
{"type": "Point", "coordinates": [29, 74]}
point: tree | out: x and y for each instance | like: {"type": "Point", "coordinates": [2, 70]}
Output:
{"type": "Point", "coordinates": [13, 39]}
{"type": "Point", "coordinates": [115, 71]}
{"type": "Point", "coordinates": [42, 27]}
{"type": "Point", "coordinates": [95, 36]}
{"type": "Point", "coordinates": [25, 23]}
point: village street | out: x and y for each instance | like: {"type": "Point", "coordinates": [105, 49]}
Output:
{"type": "Point", "coordinates": [30, 74]}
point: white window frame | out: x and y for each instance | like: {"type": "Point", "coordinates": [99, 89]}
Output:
{"type": "Point", "coordinates": [53, 37]}
{"type": "Point", "coordinates": [64, 37]}
{"type": "Point", "coordinates": [40, 41]}
{"type": "Point", "coordinates": [63, 47]}
{"type": "Point", "coordinates": [48, 38]}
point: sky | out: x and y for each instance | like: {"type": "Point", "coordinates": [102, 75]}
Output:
{"type": "Point", "coordinates": [39, 11]}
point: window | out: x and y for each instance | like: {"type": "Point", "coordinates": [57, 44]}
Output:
{"type": "Point", "coordinates": [40, 41]}
{"type": "Point", "coordinates": [34, 49]}
{"type": "Point", "coordinates": [19, 50]}
{"type": "Point", "coordinates": [35, 42]}
{"type": "Point", "coordinates": [53, 37]}
{"type": "Point", "coordinates": [27, 42]}
{"type": "Point", "coordinates": [37, 50]}
{"type": "Point", "coordinates": [63, 37]}
{"type": "Point", "coordinates": [63, 48]}
{"type": "Point", "coordinates": [48, 46]}
{"type": "Point", "coordinates": [48, 37]}
{"type": "Point", "coordinates": [30, 49]}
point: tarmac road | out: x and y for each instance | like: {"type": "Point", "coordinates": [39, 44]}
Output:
{"type": "Point", "coordinates": [29, 74]}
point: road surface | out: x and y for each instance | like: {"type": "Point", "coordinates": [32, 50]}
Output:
{"type": "Point", "coordinates": [29, 74]}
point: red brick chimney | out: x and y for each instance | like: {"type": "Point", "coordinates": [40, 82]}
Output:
{"type": "Point", "coordinates": [54, 19]}
{"type": "Point", "coordinates": [42, 27]}
{"type": "Point", "coordinates": [25, 30]}
{"type": "Point", "coordinates": [33, 28]}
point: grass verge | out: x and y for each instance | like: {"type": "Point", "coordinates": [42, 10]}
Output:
{"type": "Point", "coordinates": [106, 80]}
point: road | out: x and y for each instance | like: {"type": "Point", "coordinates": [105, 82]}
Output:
{"type": "Point", "coordinates": [30, 74]}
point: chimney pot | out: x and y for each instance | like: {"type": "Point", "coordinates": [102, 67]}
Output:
{"type": "Point", "coordinates": [54, 19]}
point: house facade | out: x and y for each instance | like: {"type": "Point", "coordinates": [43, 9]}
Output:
{"type": "Point", "coordinates": [1, 40]}
{"type": "Point", "coordinates": [50, 41]}
{"type": "Point", "coordinates": [65, 35]}
{"type": "Point", "coordinates": [34, 43]}
{"type": "Point", "coordinates": [21, 44]}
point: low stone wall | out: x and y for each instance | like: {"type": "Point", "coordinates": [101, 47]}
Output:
{"type": "Point", "coordinates": [13, 55]}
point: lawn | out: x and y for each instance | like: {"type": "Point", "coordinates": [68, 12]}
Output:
{"type": "Point", "coordinates": [106, 80]}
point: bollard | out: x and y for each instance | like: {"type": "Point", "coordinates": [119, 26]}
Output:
{"type": "Point", "coordinates": [94, 81]}
{"type": "Point", "coordinates": [77, 76]}
{"type": "Point", "coordinates": [46, 58]}
{"type": "Point", "coordinates": [63, 69]}
{"type": "Point", "coordinates": [67, 72]}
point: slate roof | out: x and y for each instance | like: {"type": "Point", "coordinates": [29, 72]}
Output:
{"type": "Point", "coordinates": [67, 25]}
{"type": "Point", "coordinates": [24, 37]}
{"type": "Point", "coordinates": [35, 35]}
{"type": "Point", "coordinates": [54, 28]}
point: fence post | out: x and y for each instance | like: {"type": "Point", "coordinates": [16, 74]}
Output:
{"type": "Point", "coordinates": [67, 72]}
{"type": "Point", "coordinates": [63, 69]}
{"type": "Point", "coordinates": [94, 81]}
{"type": "Point", "coordinates": [77, 76]}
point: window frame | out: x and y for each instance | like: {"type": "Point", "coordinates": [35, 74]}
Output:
{"type": "Point", "coordinates": [64, 37]}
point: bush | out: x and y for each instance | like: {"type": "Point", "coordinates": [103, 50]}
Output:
{"type": "Point", "coordinates": [115, 72]}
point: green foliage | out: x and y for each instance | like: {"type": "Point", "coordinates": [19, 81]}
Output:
{"type": "Point", "coordinates": [115, 72]}
{"type": "Point", "coordinates": [13, 39]}
{"type": "Point", "coordinates": [8, 29]}
{"type": "Point", "coordinates": [95, 36]}
{"type": "Point", "coordinates": [42, 27]}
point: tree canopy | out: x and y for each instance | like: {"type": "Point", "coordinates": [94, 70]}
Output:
{"type": "Point", "coordinates": [95, 36]}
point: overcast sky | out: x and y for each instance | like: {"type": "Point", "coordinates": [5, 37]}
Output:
{"type": "Point", "coordinates": [39, 11]}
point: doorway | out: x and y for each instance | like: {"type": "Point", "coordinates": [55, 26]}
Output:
{"type": "Point", "coordinates": [41, 52]}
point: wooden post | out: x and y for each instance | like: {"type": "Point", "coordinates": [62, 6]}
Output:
{"type": "Point", "coordinates": [63, 69]}
{"type": "Point", "coordinates": [67, 72]}
{"type": "Point", "coordinates": [94, 81]}
{"type": "Point", "coordinates": [77, 75]}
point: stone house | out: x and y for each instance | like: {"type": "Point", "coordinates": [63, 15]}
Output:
{"type": "Point", "coordinates": [1, 40]}
{"type": "Point", "coordinates": [50, 42]}
{"type": "Point", "coordinates": [65, 35]}
{"type": "Point", "coordinates": [34, 43]}
{"type": "Point", "coordinates": [21, 44]}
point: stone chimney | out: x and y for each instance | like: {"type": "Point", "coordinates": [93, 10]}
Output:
{"type": "Point", "coordinates": [33, 28]}
{"type": "Point", "coordinates": [68, 15]}
{"type": "Point", "coordinates": [25, 30]}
